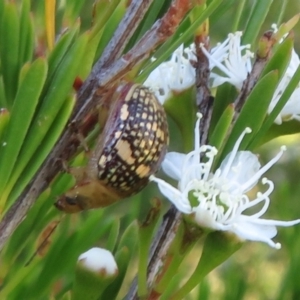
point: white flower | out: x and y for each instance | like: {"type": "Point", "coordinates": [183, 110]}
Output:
{"type": "Point", "coordinates": [175, 75]}
{"type": "Point", "coordinates": [219, 200]}
{"type": "Point", "coordinates": [100, 261]}
{"type": "Point", "coordinates": [291, 109]}
{"type": "Point", "coordinates": [178, 74]}
{"type": "Point", "coordinates": [232, 59]}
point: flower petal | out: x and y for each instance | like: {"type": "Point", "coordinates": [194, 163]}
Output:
{"type": "Point", "coordinates": [255, 232]}
{"type": "Point", "coordinates": [174, 195]}
{"type": "Point", "coordinates": [244, 166]}
{"type": "Point", "coordinates": [172, 165]}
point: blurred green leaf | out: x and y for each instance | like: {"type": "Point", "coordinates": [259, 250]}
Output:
{"type": "Point", "coordinates": [4, 118]}
{"type": "Point", "coordinates": [66, 248]}
{"type": "Point", "coordinates": [146, 232]}
{"type": "Point", "coordinates": [73, 8]}
{"type": "Point", "coordinates": [182, 108]}
{"type": "Point", "coordinates": [265, 134]}
{"type": "Point", "coordinates": [57, 56]}
{"type": "Point", "coordinates": [16, 185]}
{"type": "Point", "coordinates": [103, 11]}
{"type": "Point", "coordinates": [218, 136]}
{"type": "Point", "coordinates": [253, 112]}
{"type": "Point", "coordinates": [9, 50]}
{"type": "Point", "coordinates": [280, 59]}
{"type": "Point", "coordinates": [111, 26]}
{"type": "Point", "coordinates": [59, 88]}
{"type": "Point", "coordinates": [225, 95]}
{"type": "Point", "coordinates": [238, 15]}
{"type": "Point", "coordinates": [89, 56]}
{"type": "Point", "coordinates": [113, 235]}
{"type": "Point", "coordinates": [126, 250]}
{"type": "Point", "coordinates": [3, 103]}
{"type": "Point", "coordinates": [29, 90]}
{"type": "Point", "coordinates": [218, 247]}
{"type": "Point", "coordinates": [26, 40]}
{"type": "Point", "coordinates": [122, 258]}
{"type": "Point", "coordinates": [26, 234]}
{"type": "Point", "coordinates": [255, 21]}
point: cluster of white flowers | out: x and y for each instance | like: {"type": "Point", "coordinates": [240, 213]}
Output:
{"type": "Point", "coordinates": [229, 62]}
{"type": "Point", "coordinates": [219, 200]}
{"type": "Point", "coordinates": [177, 74]}
{"type": "Point", "coordinates": [232, 59]}
{"type": "Point", "coordinates": [221, 196]}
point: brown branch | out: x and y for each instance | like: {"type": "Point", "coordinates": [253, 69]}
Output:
{"type": "Point", "coordinates": [98, 87]}
{"type": "Point", "coordinates": [204, 99]}
{"type": "Point", "coordinates": [115, 48]}
{"type": "Point", "coordinates": [162, 241]}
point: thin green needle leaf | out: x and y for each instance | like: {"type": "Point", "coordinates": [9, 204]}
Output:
{"type": "Point", "coordinates": [3, 103]}
{"type": "Point", "coordinates": [280, 59]}
{"type": "Point", "coordinates": [145, 232]}
{"type": "Point", "coordinates": [26, 36]}
{"type": "Point", "coordinates": [9, 50]}
{"type": "Point", "coordinates": [72, 10]}
{"type": "Point", "coordinates": [277, 109]}
{"type": "Point", "coordinates": [20, 276]}
{"type": "Point", "coordinates": [275, 131]}
{"type": "Point", "coordinates": [41, 153]}
{"type": "Point", "coordinates": [21, 116]}
{"type": "Point", "coordinates": [111, 26]}
{"type": "Point", "coordinates": [255, 21]}
{"type": "Point", "coordinates": [29, 47]}
{"type": "Point", "coordinates": [58, 90]}
{"type": "Point", "coordinates": [282, 9]}
{"type": "Point", "coordinates": [2, 7]}
{"type": "Point", "coordinates": [26, 234]}
{"type": "Point", "coordinates": [89, 57]}
{"type": "Point", "coordinates": [103, 11]}
{"type": "Point", "coordinates": [218, 247]}
{"type": "Point", "coordinates": [218, 136]}
{"type": "Point", "coordinates": [253, 112]}
{"type": "Point", "coordinates": [226, 93]}
{"type": "Point", "coordinates": [126, 249]}
{"type": "Point", "coordinates": [238, 15]}
{"type": "Point", "coordinates": [57, 55]}
{"type": "Point", "coordinates": [122, 258]}
{"type": "Point", "coordinates": [113, 235]}
{"type": "Point", "coordinates": [4, 118]}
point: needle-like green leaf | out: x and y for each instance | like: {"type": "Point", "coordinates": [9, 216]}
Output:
{"type": "Point", "coordinates": [21, 117]}
{"type": "Point", "coordinates": [41, 153]}
{"type": "Point", "coordinates": [253, 112]}
{"type": "Point", "coordinates": [60, 87]}
{"type": "Point", "coordinates": [9, 50]}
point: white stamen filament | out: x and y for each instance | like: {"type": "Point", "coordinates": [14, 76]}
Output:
{"type": "Point", "coordinates": [235, 150]}
{"type": "Point", "coordinates": [261, 171]}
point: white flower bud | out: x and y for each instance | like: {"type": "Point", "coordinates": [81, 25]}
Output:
{"type": "Point", "coordinates": [100, 261]}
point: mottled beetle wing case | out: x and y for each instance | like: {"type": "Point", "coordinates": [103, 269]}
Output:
{"type": "Point", "coordinates": [135, 144]}
{"type": "Point", "coordinates": [130, 148]}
